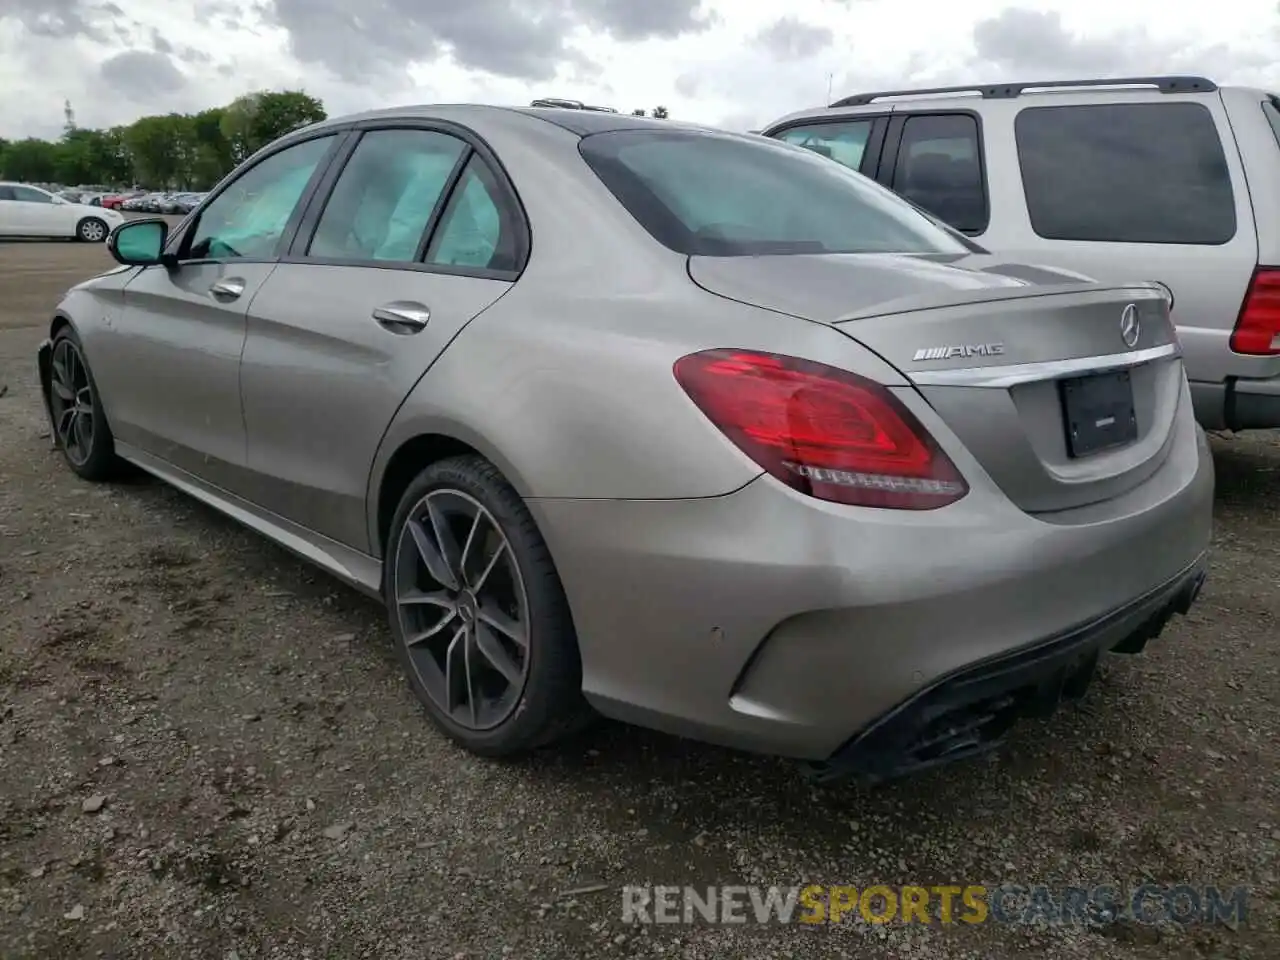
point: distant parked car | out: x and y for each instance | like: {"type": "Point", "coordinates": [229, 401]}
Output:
{"type": "Point", "coordinates": [115, 201]}
{"type": "Point", "coordinates": [1171, 179]}
{"type": "Point", "coordinates": [27, 211]}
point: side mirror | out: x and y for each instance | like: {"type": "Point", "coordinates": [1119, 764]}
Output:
{"type": "Point", "coordinates": [139, 243]}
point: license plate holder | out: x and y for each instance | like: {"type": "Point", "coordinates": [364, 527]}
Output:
{"type": "Point", "coordinates": [1098, 413]}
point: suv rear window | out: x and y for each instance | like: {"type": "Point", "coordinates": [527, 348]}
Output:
{"type": "Point", "coordinates": [709, 194]}
{"type": "Point", "coordinates": [1126, 173]}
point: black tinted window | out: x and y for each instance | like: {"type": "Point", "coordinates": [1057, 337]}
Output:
{"type": "Point", "coordinates": [1126, 173]}
{"type": "Point", "coordinates": [721, 195]}
{"type": "Point", "coordinates": [939, 166]}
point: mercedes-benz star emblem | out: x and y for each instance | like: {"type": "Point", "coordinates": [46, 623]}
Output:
{"type": "Point", "coordinates": [1130, 328]}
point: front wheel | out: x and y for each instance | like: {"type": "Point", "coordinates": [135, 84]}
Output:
{"type": "Point", "coordinates": [91, 230]}
{"type": "Point", "coordinates": [79, 425]}
{"type": "Point", "coordinates": [481, 623]}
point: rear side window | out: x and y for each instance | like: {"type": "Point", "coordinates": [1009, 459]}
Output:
{"type": "Point", "coordinates": [844, 141]}
{"type": "Point", "coordinates": [480, 227]}
{"type": "Point", "coordinates": [939, 166]}
{"type": "Point", "coordinates": [709, 194]}
{"type": "Point", "coordinates": [1126, 173]}
{"type": "Point", "coordinates": [384, 198]}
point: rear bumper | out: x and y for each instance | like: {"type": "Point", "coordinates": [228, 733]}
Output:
{"type": "Point", "coordinates": [1238, 404]}
{"type": "Point", "coordinates": [968, 713]}
{"type": "Point", "coordinates": [772, 622]}
{"type": "Point", "coordinates": [1253, 404]}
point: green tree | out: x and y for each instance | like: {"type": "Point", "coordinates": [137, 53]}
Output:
{"type": "Point", "coordinates": [638, 112]}
{"type": "Point", "coordinates": [660, 113]}
{"type": "Point", "coordinates": [172, 150]}
{"type": "Point", "coordinates": [251, 122]}
{"type": "Point", "coordinates": [162, 148]}
{"type": "Point", "coordinates": [213, 156]}
{"type": "Point", "coordinates": [31, 159]}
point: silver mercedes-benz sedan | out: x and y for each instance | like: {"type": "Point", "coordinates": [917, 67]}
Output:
{"type": "Point", "coordinates": [693, 429]}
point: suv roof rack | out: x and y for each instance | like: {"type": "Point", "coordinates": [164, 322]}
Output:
{"type": "Point", "coordinates": [562, 104]}
{"type": "Point", "coordinates": [1005, 91]}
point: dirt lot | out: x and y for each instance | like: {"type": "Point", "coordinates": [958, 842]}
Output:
{"type": "Point", "coordinates": [207, 751]}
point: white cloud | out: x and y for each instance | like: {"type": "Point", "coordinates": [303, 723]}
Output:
{"type": "Point", "coordinates": [734, 62]}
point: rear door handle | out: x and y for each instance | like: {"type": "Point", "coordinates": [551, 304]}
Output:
{"type": "Point", "coordinates": [402, 316]}
{"type": "Point", "coordinates": [227, 290]}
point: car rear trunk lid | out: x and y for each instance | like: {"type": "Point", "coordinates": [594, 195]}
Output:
{"type": "Point", "coordinates": [1065, 391]}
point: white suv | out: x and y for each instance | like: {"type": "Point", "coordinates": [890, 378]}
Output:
{"type": "Point", "coordinates": [1173, 179]}
{"type": "Point", "coordinates": [27, 211]}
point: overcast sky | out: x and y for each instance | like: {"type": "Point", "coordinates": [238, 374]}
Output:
{"type": "Point", "coordinates": [738, 63]}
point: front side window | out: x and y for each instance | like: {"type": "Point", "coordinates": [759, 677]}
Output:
{"type": "Point", "coordinates": [384, 198]}
{"type": "Point", "coordinates": [710, 194]}
{"type": "Point", "coordinates": [844, 141]}
{"type": "Point", "coordinates": [478, 229]}
{"type": "Point", "coordinates": [939, 167]}
{"type": "Point", "coordinates": [249, 217]}
{"type": "Point", "coordinates": [1126, 173]}
{"type": "Point", "coordinates": [31, 195]}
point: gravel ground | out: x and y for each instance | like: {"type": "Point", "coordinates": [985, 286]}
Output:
{"type": "Point", "coordinates": [207, 750]}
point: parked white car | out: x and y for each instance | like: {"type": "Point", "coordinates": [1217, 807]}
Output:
{"type": "Point", "coordinates": [27, 211]}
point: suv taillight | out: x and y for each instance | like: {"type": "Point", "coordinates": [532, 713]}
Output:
{"type": "Point", "coordinates": [1257, 329]}
{"type": "Point", "coordinates": [825, 432]}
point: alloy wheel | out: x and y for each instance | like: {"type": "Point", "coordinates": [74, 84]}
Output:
{"type": "Point", "coordinates": [71, 400]}
{"type": "Point", "coordinates": [462, 609]}
{"type": "Point", "coordinates": [93, 231]}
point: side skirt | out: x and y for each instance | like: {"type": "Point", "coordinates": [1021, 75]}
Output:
{"type": "Point", "coordinates": [352, 567]}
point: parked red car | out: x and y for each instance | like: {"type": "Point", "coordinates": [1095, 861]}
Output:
{"type": "Point", "coordinates": [113, 201]}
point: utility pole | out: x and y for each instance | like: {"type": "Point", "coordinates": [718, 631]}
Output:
{"type": "Point", "coordinates": [70, 117]}
{"type": "Point", "coordinates": [830, 79]}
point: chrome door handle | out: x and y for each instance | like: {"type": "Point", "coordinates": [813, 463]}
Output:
{"type": "Point", "coordinates": [228, 289]}
{"type": "Point", "coordinates": [402, 316]}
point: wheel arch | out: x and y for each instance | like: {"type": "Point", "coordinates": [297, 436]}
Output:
{"type": "Point", "coordinates": [44, 355]}
{"type": "Point", "coordinates": [90, 216]}
{"type": "Point", "coordinates": [398, 463]}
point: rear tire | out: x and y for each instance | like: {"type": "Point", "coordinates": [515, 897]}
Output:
{"type": "Point", "coordinates": [481, 623]}
{"type": "Point", "coordinates": [91, 230]}
{"type": "Point", "coordinates": [79, 425]}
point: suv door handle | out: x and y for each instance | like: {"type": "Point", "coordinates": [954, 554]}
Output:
{"type": "Point", "coordinates": [402, 316]}
{"type": "Point", "coordinates": [227, 290]}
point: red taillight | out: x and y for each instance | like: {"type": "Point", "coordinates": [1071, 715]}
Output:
{"type": "Point", "coordinates": [826, 432]}
{"type": "Point", "coordinates": [1257, 330]}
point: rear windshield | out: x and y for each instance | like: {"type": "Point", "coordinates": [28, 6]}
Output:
{"type": "Point", "coordinates": [702, 193]}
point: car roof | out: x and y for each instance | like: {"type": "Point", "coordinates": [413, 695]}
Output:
{"type": "Point", "coordinates": [973, 94]}
{"type": "Point", "coordinates": [580, 122]}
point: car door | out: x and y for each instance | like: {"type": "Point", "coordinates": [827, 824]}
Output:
{"type": "Point", "coordinates": [169, 372]}
{"type": "Point", "coordinates": [10, 213]}
{"type": "Point", "coordinates": [419, 233]}
{"type": "Point", "coordinates": [37, 213]}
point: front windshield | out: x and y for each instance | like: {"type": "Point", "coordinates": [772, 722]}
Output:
{"type": "Point", "coordinates": [709, 194]}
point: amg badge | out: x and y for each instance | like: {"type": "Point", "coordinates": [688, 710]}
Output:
{"type": "Point", "coordinates": [967, 350]}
